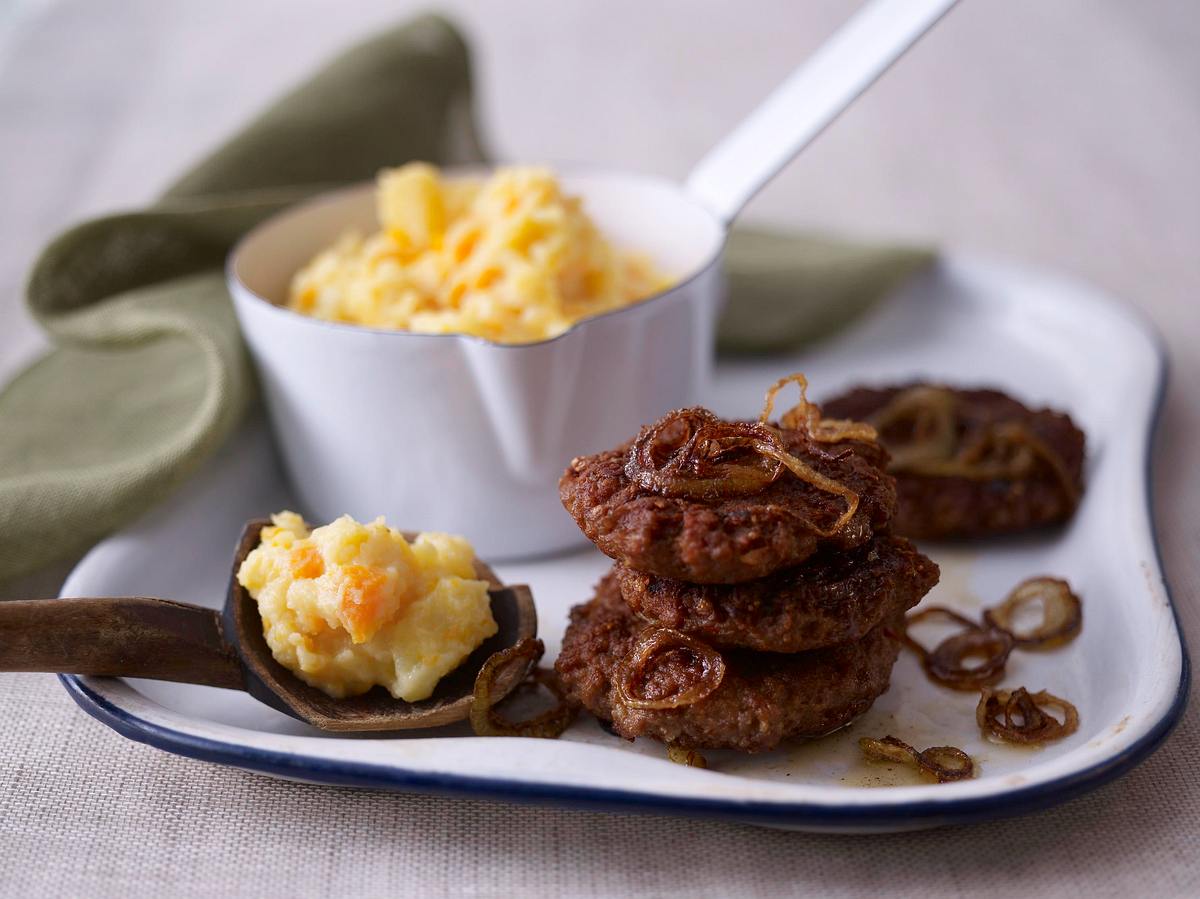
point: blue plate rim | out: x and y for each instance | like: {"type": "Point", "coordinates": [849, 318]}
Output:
{"type": "Point", "coordinates": [859, 817]}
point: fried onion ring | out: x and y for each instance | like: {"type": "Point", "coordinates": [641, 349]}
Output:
{"type": "Point", "coordinates": [806, 416]}
{"type": "Point", "coordinates": [929, 413]}
{"type": "Point", "coordinates": [888, 749]}
{"type": "Point", "coordinates": [938, 612]}
{"type": "Point", "coordinates": [486, 719]}
{"type": "Point", "coordinates": [946, 763]}
{"type": "Point", "coordinates": [1005, 450]}
{"type": "Point", "coordinates": [663, 641]}
{"type": "Point", "coordinates": [1017, 716]}
{"type": "Point", "coordinates": [943, 763]}
{"type": "Point", "coordinates": [1062, 613]}
{"type": "Point", "coordinates": [694, 454]}
{"type": "Point", "coordinates": [946, 662]}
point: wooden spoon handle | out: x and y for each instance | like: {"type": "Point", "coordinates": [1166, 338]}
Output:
{"type": "Point", "coordinates": [126, 637]}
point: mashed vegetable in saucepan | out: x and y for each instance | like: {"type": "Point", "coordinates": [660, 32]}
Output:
{"type": "Point", "coordinates": [348, 606]}
{"type": "Point", "coordinates": [511, 258]}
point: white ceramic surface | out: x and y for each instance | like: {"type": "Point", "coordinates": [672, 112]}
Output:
{"type": "Point", "coordinates": [459, 433]}
{"type": "Point", "coordinates": [1044, 339]}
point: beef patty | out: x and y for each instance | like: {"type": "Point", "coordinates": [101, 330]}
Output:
{"type": "Point", "coordinates": [938, 506]}
{"type": "Point", "coordinates": [831, 598]}
{"type": "Point", "coordinates": [729, 540]}
{"type": "Point", "coordinates": [763, 698]}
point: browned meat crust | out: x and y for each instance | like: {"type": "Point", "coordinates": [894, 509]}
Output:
{"type": "Point", "coordinates": [726, 541]}
{"type": "Point", "coordinates": [763, 699]}
{"type": "Point", "coordinates": [832, 598]}
{"type": "Point", "coordinates": [933, 507]}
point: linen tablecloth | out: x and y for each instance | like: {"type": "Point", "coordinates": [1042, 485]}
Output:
{"type": "Point", "coordinates": [1061, 133]}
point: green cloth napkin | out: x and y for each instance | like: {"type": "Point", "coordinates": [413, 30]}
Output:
{"type": "Point", "coordinates": [149, 376]}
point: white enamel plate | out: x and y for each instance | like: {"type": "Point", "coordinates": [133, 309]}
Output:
{"type": "Point", "coordinates": [1045, 340]}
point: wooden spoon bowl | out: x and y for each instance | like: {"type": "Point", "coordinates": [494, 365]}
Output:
{"type": "Point", "coordinates": [165, 640]}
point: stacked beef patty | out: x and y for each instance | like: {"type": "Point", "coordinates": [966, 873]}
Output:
{"type": "Point", "coordinates": [743, 617]}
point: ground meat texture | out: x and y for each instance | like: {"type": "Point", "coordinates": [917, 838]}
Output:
{"type": "Point", "coordinates": [936, 507]}
{"type": "Point", "coordinates": [763, 699]}
{"type": "Point", "coordinates": [726, 541]}
{"type": "Point", "coordinates": [830, 599]}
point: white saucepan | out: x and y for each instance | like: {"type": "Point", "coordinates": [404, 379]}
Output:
{"type": "Point", "coordinates": [456, 433]}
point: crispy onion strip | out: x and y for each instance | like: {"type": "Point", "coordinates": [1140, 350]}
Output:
{"type": "Point", "coordinates": [943, 763]}
{"type": "Point", "coordinates": [946, 763]}
{"type": "Point", "coordinates": [888, 749]}
{"type": "Point", "coordinates": [1010, 451]}
{"type": "Point", "coordinates": [659, 641]}
{"type": "Point", "coordinates": [1017, 716]}
{"type": "Point", "coordinates": [938, 612]}
{"type": "Point", "coordinates": [1062, 613]}
{"type": "Point", "coordinates": [947, 664]}
{"type": "Point", "coordinates": [818, 480]}
{"type": "Point", "coordinates": [486, 719]}
{"type": "Point", "coordinates": [930, 414]}
{"type": "Point", "coordinates": [1006, 450]}
{"type": "Point", "coordinates": [693, 454]}
{"type": "Point", "coordinates": [806, 416]}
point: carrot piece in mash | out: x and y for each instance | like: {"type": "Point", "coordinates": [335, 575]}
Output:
{"type": "Point", "coordinates": [306, 562]}
{"type": "Point", "coordinates": [361, 601]}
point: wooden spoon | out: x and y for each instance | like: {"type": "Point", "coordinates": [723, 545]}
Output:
{"type": "Point", "coordinates": [172, 641]}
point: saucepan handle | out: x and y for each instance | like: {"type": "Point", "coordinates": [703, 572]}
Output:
{"type": "Point", "coordinates": [120, 637]}
{"type": "Point", "coordinates": [812, 97]}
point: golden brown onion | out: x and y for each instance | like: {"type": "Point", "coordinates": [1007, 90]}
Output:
{"type": "Point", "coordinates": [693, 454]}
{"type": "Point", "coordinates": [1017, 716]}
{"type": "Point", "coordinates": [703, 665]}
{"type": "Point", "coordinates": [888, 749]}
{"type": "Point", "coordinates": [1005, 450]}
{"type": "Point", "coordinates": [818, 480]}
{"type": "Point", "coordinates": [943, 763]}
{"type": "Point", "coordinates": [806, 416]}
{"type": "Point", "coordinates": [928, 416]}
{"type": "Point", "coordinates": [938, 612]}
{"type": "Point", "coordinates": [1062, 613]}
{"type": "Point", "coordinates": [1008, 450]}
{"type": "Point", "coordinates": [947, 664]}
{"type": "Point", "coordinates": [946, 763]}
{"type": "Point", "coordinates": [486, 719]}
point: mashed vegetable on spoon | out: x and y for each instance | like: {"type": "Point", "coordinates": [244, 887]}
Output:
{"type": "Point", "coordinates": [348, 605]}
